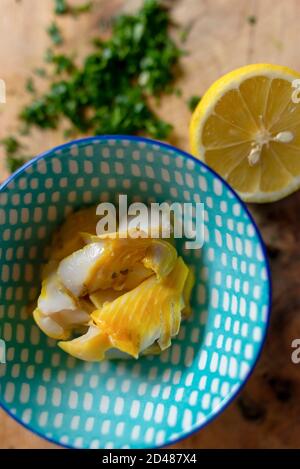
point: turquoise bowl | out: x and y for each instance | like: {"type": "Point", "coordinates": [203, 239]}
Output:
{"type": "Point", "coordinates": [156, 400]}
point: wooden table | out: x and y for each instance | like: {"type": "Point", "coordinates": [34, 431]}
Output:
{"type": "Point", "coordinates": [267, 413]}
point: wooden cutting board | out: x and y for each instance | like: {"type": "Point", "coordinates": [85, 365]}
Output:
{"type": "Point", "coordinates": [221, 38]}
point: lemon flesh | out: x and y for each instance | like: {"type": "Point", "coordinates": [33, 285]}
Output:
{"type": "Point", "coordinates": [247, 128]}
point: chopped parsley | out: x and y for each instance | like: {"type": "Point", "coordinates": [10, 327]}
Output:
{"type": "Point", "coordinates": [83, 8]}
{"type": "Point", "coordinates": [12, 148]}
{"type": "Point", "coordinates": [40, 72]}
{"type": "Point", "coordinates": [252, 20]}
{"type": "Point", "coordinates": [192, 102]}
{"type": "Point", "coordinates": [30, 86]}
{"type": "Point", "coordinates": [62, 7]}
{"type": "Point", "coordinates": [11, 145]}
{"type": "Point", "coordinates": [55, 34]}
{"type": "Point", "coordinates": [48, 56]}
{"type": "Point", "coordinates": [13, 163]}
{"type": "Point", "coordinates": [116, 87]}
{"type": "Point", "coordinates": [110, 91]}
{"type": "Point", "coordinates": [63, 63]}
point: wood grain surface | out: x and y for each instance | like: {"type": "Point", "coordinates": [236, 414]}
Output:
{"type": "Point", "coordinates": [267, 411]}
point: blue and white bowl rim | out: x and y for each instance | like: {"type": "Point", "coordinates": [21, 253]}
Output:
{"type": "Point", "coordinates": [183, 153]}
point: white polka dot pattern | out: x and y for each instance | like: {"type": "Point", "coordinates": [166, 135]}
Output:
{"type": "Point", "coordinates": [154, 401]}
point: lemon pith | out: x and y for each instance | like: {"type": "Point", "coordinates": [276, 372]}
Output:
{"type": "Point", "coordinates": [247, 128]}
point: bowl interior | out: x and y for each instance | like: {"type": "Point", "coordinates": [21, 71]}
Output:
{"type": "Point", "coordinates": [155, 400]}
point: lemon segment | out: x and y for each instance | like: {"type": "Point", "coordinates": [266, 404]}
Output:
{"type": "Point", "coordinates": [247, 128]}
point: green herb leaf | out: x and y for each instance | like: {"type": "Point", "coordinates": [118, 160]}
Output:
{"type": "Point", "coordinates": [30, 86]}
{"type": "Point", "coordinates": [193, 102]}
{"type": "Point", "coordinates": [252, 20]}
{"type": "Point", "coordinates": [11, 145]}
{"type": "Point", "coordinates": [40, 72]}
{"type": "Point", "coordinates": [13, 148]}
{"type": "Point", "coordinates": [63, 63]}
{"type": "Point", "coordinates": [13, 163]}
{"type": "Point", "coordinates": [48, 55]}
{"type": "Point", "coordinates": [84, 8]}
{"type": "Point", "coordinates": [184, 34]}
{"type": "Point", "coordinates": [55, 34]}
{"type": "Point", "coordinates": [61, 7]}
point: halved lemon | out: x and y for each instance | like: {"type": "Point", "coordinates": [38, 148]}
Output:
{"type": "Point", "coordinates": [247, 128]}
